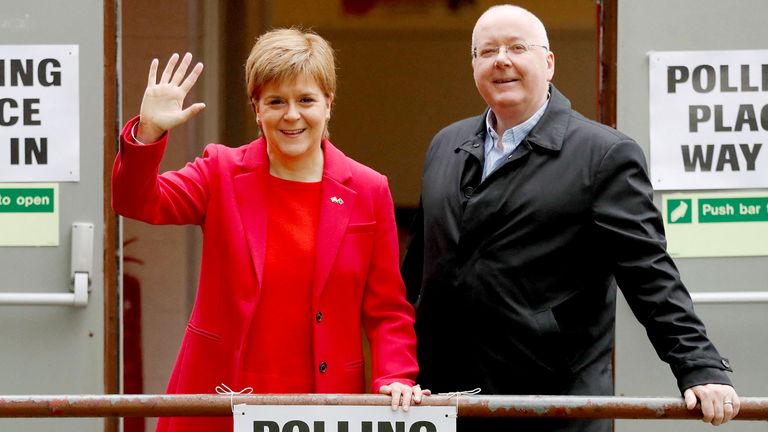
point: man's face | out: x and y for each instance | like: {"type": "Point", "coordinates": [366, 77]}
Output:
{"type": "Point", "coordinates": [513, 84]}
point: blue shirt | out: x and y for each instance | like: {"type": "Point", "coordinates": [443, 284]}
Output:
{"type": "Point", "coordinates": [497, 150]}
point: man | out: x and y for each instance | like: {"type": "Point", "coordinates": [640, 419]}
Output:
{"type": "Point", "coordinates": [530, 216]}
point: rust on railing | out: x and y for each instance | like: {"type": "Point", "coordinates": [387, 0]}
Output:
{"type": "Point", "coordinates": [590, 407]}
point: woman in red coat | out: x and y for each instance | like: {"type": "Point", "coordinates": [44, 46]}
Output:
{"type": "Point", "coordinates": [300, 246]}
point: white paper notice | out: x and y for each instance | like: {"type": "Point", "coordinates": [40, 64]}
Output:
{"type": "Point", "coordinates": [39, 113]}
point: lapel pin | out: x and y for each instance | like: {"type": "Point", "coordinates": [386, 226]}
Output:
{"type": "Point", "coordinates": [337, 200]}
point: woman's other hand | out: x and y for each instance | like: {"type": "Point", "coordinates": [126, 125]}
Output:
{"type": "Point", "coordinates": [405, 393]}
{"type": "Point", "coordinates": [162, 105]}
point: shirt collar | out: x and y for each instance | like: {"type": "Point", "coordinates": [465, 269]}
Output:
{"type": "Point", "coordinates": [513, 136]}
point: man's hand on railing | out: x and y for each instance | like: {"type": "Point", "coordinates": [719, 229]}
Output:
{"type": "Point", "coordinates": [405, 393]}
{"type": "Point", "coordinates": [719, 402]}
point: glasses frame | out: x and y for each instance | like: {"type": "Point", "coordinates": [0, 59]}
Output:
{"type": "Point", "coordinates": [508, 50]}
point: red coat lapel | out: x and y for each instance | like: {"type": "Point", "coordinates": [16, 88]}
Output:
{"type": "Point", "coordinates": [251, 194]}
{"type": "Point", "coordinates": [336, 205]}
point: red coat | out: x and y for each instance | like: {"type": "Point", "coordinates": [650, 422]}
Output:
{"type": "Point", "coordinates": [357, 281]}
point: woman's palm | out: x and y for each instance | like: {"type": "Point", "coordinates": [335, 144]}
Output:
{"type": "Point", "coordinates": [162, 107]}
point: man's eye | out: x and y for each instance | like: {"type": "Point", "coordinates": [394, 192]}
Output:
{"type": "Point", "coordinates": [518, 48]}
{"type": "Point", "coordinates": [488, 52]}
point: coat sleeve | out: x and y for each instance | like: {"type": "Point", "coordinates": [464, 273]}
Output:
{"type": "Point", "coordinates": [387, 317]}
{"type": "Point", "coordinates": [412, 268]}
{"type": "Point", "coordinates": [140, 192]}
{"type": "Point", "coordinates": [632, 230]}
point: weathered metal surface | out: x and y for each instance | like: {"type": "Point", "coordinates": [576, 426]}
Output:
{"type": "Point", "coordinates": [469, 406]}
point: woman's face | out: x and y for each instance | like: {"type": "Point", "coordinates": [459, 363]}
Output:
{"type": "Point", "coordinates": [293, 116]}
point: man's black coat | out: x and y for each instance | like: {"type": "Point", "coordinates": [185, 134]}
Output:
{"type": "Point", "coordinates": [514, 277]}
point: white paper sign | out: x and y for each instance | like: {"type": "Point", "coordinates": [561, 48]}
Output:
{"type": "Point", "coordinates": [709, 119]}
{"type": "Point", "coordinates": [286, 418]}
{"type": "Point", "coordinates": [39, 113]}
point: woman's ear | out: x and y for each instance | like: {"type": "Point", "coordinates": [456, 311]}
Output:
{"type": "Point", "coordinates": [255, 108]}
{"type": "Point", "coordinates": [328, 105]}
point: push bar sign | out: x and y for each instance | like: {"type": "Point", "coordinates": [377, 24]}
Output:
{"type": "Point", "coordinates": [709, 119]}
{"type": "Point", "coordinates": [39, 113]}
{"type": "Point", "coordinates": [288, 418]}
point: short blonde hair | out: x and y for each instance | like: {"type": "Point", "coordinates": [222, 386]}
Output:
{"type": "Point", "coordinates": [285, 54]}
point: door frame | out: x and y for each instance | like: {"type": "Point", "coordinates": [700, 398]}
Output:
{"type": "Point", "coordinates": [111, 253]}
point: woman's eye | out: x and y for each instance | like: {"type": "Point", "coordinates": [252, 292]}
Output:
{"type": "Point", "coordinates": [274, 102]}
{"type": "Point", "coordinates": [307, 100]}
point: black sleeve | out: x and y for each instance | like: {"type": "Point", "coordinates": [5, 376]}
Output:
{"type": "Point", "coordinates": [631, 227]}
{"type": "Point", "coordinates": [412, 268]}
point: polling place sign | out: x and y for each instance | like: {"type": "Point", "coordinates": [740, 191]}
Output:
{"type": "Point", "coordinates": [39, 113]}
{"type": "Point", "coordinates": [287, 418]}
{"type": "Point", "coordinates": [708, 119]}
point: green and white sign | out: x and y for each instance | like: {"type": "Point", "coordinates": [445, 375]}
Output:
{"type": "Point", "coordinates": [716, 224]}
{"type": "Point", "coordinates": [29, 214]}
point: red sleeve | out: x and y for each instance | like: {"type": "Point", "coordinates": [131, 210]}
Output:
{"type": "Point", "coordinates": [140, 192]}
{"type": "Point", "coordinates": [387, 316]}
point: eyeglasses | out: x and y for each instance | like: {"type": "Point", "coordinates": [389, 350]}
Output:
{"type": "Point", "coordinates": [517, 48]}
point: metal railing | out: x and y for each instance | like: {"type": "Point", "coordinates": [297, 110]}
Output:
{"type": "Point", "coordinates": [583, 407]}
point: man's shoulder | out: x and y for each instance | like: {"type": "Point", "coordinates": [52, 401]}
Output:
{"type": "Point", "coordinates": [562, 122]}
{"type": "Point", "coordinates": [588, 139]}
{"type": "Point", "coordinates": [459, 131]}
{"type": "Point", "coordinates": [466, 127]}
{"type": "Point", "coordinates": [605, 133]}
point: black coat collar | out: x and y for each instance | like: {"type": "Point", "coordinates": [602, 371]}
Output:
{"type": "Point", "coordinates": [549, 132]}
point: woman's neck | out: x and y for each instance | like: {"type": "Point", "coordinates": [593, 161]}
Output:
{"type": "Point", "coordinates": [308, 168]}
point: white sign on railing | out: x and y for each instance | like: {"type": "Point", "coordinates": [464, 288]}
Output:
{"type": "Point", "coordinates": [273, 418]}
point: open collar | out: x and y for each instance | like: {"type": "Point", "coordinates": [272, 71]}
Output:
{"type": "Point", "coordinates": [335, 163]}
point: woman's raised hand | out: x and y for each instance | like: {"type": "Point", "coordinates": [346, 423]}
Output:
{"type": "Point", "coordinates": [162, 106]}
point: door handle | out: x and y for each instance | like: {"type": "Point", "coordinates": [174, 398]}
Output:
{"type": "Point", "coordinates": [730, 297]}
{"type": "Point", "coordinates": [79, 279]}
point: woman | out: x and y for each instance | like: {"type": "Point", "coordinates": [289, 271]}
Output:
{"type": "Point", "coordinates": [299, 242]}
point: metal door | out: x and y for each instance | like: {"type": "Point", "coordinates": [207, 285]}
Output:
{"type": "Point", "coordinates": [52, 289]}
{"type": "Point", "coordinates": [729, 292]}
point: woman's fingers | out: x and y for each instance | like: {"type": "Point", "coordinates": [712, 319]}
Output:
{"type": "Point", "coordinates": [175, 77]}
{"type": "Point", "coordinates": [403, 395]}
{"type": "Point", "coordinates": [192, 110]}
{"type": "Point", "coordinates": [181, 71]}
{"type": "Point", "coordinates": [406, 397]}
{"type": "Point", "coordinates": [419, 393]}
{"type": "Point", "coordinates": [168, 71]}
{"type": "Point", "coordinates": [152, 78]}
{"type": "Point", "coordinates": [162, 107]}
{"type": "Point", "coordinates": [191, 79]}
